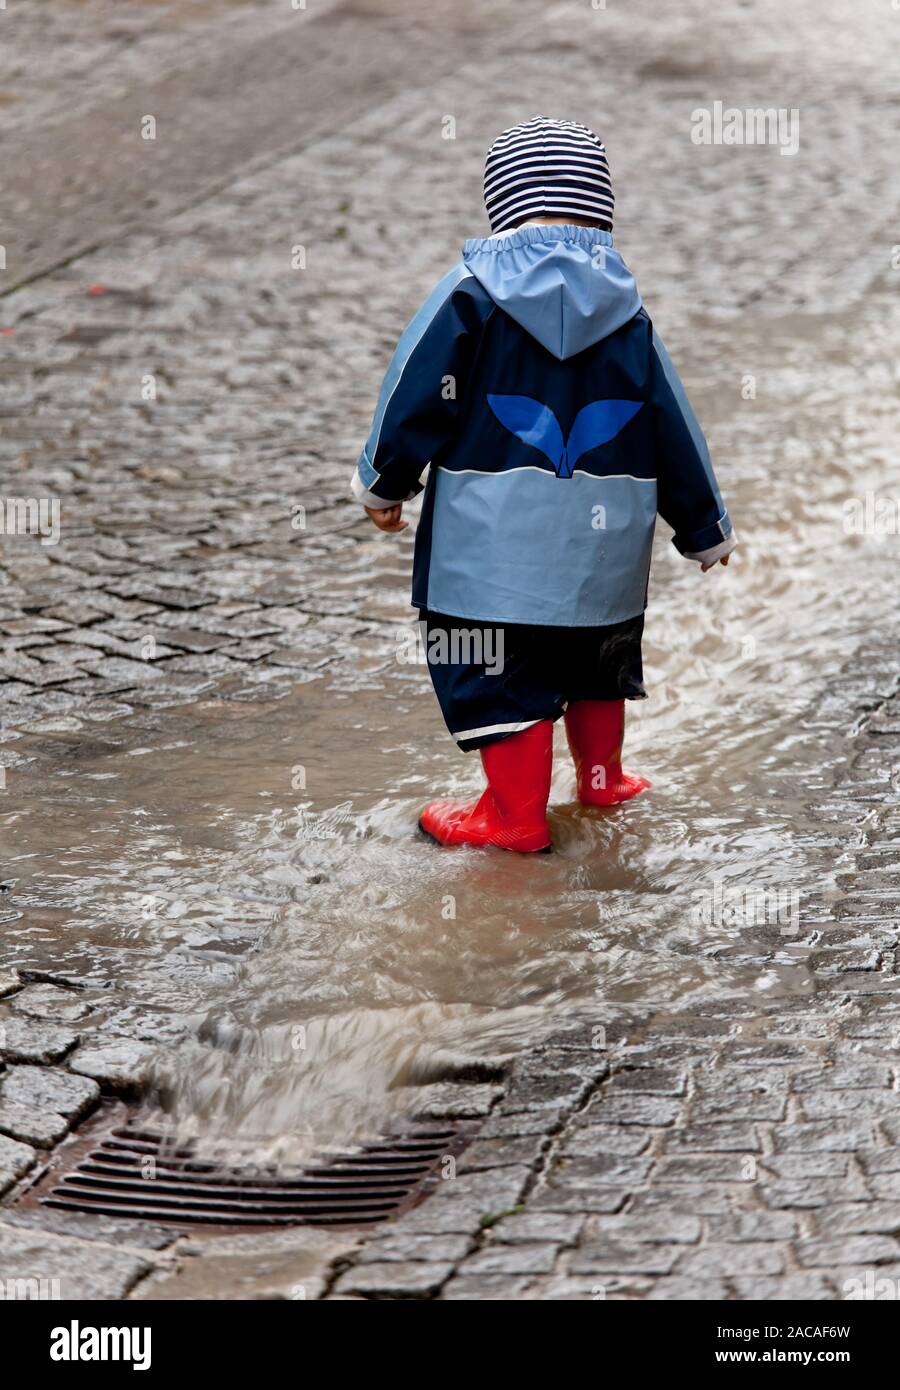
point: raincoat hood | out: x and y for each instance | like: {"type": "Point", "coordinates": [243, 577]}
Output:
{"type": "Point", "coordinates": [567, 286]}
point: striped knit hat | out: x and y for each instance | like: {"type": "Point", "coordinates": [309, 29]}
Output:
{"type": "Point", "coordinates": [544, 168]}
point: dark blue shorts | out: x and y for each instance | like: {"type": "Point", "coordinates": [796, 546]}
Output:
{"type": "Point", "coordinates": [493, 679]}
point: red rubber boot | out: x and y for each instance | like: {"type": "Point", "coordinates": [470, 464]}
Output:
{"type": "Point", "coordinates": [596, 729]}
{"type": "Point", "coordinates": [512, 810]}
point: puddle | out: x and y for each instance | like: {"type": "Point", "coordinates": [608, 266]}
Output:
{"type": "Point", "coordinates": [243, 883]}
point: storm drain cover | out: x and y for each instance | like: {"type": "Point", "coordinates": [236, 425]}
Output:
{"type": "Point", "coordinates": [143, 1174]}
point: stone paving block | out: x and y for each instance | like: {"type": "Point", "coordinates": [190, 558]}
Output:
{"type": "Point", "coordinates": [885, 1186]}
{"type": "Point", "coordinates": [445, 1218]}
{"type": "Point", "coordinates": [880, 1161]}
{"type": "Point", "coordinates": [823, 1136]}
{"type": "Point", "coordinates": [599, 1169]}
{"type": "Point", "coordinates": [581, 1049]}
{"type": "Point", "coordinates": [166, 597]}
{"type": "Point", "coordinates": [807, 1165]}
{"type": "Point", "coordinates": [486, 1288]}
{"type": "Point", "coordinates": [434, 1249]}
{"type": "Point", "coordinates": [522, 1258]}
{"type": "Point", "coordinates": [727, 1260]}
{"type": "Point", "coordinates": [753, 1107]}
{"type": "Point", "coordinates": [811, 1195]}
{"type": "Point", "coordinates": [767, 1055]}
{"type": "Point", "coordinates": [579, 1200]}
{"type": "Point", "coordinates": [859, 1218]}
{"type": "Point", "coordinates": [704, 1168]}
{"type": "Point", "coordinates": [49, 1001]}
{"type": "Point", "coordinates": [604, 1257]}
{"type": "Point", "coordinates": [676, 1288]}
{"type": "Point", "coordinates": [545, 1121]}
{"type": "Point", "coordinates": [463, 1205]}
{"type": "Point", "coordinates": [48, 1088]}
{"type": "Point", "coordinates": [864, 1075]}
{"type": "Point", "coordinates": [194, 639]}
{"type": "Point", "coordinates": [17, 667]}
{"type": "Point", "coordinates": [841, 960]}
{"type": "Point", "coordinates": [861, 1249]}
{"type": "Point", "coordinates": [690, 1198]}
{"type": "Point", "coordinates": [658, 1227]}
{"type": "Point", "coordinates": [495, 1153]}
{"type": "Point", "coordinates": [533, 1089]}
{"type": "Point", "coordinates": [394, 1279]}
{"type": "Point", "coordinates": [806, 1026]}
{"type": "Point", "coordinates": [729, 1136]}
{"type": "Point", "coordinates": [532, 1226]}
{"type": "Point", "coordinates": [630, 1109]}
{"type": "Point", "coordinates": [118, 1064]}
{"type": "Point", "coordinates": [31, 1040]}
{"type": "Point", "coordinates": [730, 1080]}
{"type": "Point", "coordinates": [123, 673]}
{"type": "Point", "coordinates": [790, 1288]}
{"type": "Point", "coordinates": [753, 1225]}
{"type": "Point", "coordinates": [563, 1288]}
{"type": "Point", "coordinates": [111, 1230]}
{"type": "Point", "coordinates": [79, 1269]}
{"type": "Point", "coordinates": [15, 1160]}
{"type": "Point", "coordinates": [589, 1140]}
{"type": "Point", "coordinates": [855, 1104]}
{"type": "Point", "coordinates": [653, 1081]}
{"type": "Point", "coordinates": [42, 1128]}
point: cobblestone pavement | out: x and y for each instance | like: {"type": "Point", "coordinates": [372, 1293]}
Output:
{"type": "Point", "coordinates": [723, 1152]}
{"type": "Point", "coordinates": [748, 1152]}
{"type": "Point", "coordinates": [195, 400]}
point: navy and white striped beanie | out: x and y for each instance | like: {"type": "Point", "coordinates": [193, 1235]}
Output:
{"type": "Point", "coordinates": [544, 168]}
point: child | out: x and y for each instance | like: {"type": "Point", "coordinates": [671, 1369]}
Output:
{"type": "Point", "coordinates": [556, 427]}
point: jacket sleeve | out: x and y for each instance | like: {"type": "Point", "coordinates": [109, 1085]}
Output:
{"type": "Point", "coordinates": [418, 406]}
{"type": "Point", "coordinates": [688, 495]}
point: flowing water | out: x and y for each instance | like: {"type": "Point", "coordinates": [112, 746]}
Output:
{"type": "Point", "coordinates": [303, 958]}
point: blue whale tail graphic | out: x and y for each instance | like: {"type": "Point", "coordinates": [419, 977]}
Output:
{"type": "Point", "coordinates": [535, 424]}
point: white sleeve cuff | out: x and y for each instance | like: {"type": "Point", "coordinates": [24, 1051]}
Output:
{"type": "Point", "coordinates": [368, 499]}
{"type": "Point", "coordinates": [715, 552]}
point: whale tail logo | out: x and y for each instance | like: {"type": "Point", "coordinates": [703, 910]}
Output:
{"type": "Point", "coordinates": [535, 424]}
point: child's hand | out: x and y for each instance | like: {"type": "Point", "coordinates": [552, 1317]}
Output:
{"type": "Point", "coordinates": [724, 561]}
{"type": "Point", "coordinates": [388, 518]}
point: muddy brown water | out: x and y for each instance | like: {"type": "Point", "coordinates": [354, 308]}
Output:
{"type": "Point", "coordinates": [303, 958]}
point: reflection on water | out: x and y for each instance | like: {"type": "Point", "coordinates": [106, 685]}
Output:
{"type": "Point", "coordinates": [304, 961]}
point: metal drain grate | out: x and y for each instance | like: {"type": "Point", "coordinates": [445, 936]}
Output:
{"type": "Point", "coordinates": [139, 1173]}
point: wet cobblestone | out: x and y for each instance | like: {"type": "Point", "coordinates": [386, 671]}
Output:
{"type": "Point", "coordinates": [714, 1176]}
{"type": "Point", "coordinates": [195, 403]}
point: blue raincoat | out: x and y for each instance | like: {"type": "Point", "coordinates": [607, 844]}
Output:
{"type": "Point", "coordinates": [556, 428]}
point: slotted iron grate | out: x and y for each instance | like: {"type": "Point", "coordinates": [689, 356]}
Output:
{"type": "Point", "coordinates": [138, 1172]}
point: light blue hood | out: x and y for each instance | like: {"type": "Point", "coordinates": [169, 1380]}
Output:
{"type": "Point", "coordinates": [565, 285]}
